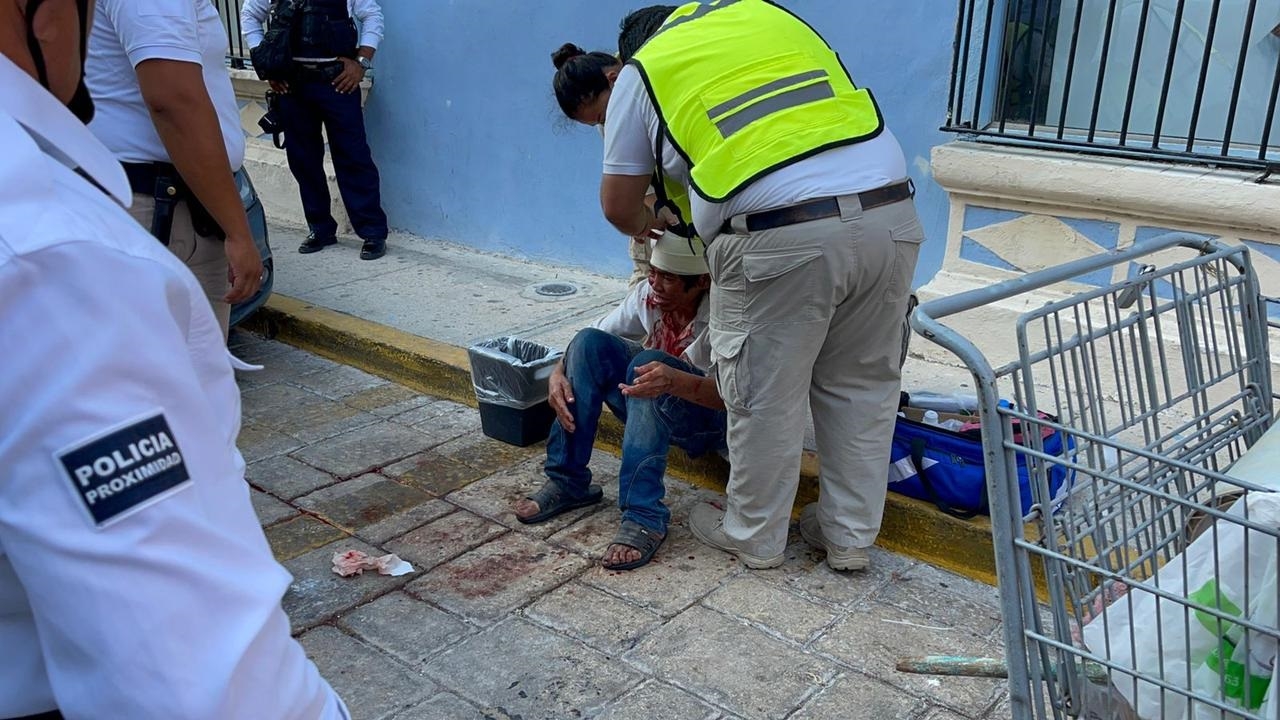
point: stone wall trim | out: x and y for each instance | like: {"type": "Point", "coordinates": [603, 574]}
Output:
{"type": "Point", "coordinates": [1196, 195]}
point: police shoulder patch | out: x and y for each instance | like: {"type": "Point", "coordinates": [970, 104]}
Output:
{"type": "Point", "coordinates": [125, 468]}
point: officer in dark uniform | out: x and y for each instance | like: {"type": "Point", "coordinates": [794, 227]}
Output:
{"type": "Point", "coordinates": [330, 58]}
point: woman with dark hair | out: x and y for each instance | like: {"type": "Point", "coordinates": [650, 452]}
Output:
{"type": "Point", "coordinates": [581, 79]}
{"type": "Point", "coordinates": [582, 84]}
{"type": "Point", "coordinates": [803, 196]}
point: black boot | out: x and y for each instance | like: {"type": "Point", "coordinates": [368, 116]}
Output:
{"type": "Point", "coordinates": [373, 249]}
{"type": "Point", "coordinates": [316, 244]}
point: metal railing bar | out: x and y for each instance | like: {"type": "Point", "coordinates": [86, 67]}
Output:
{"type": "Point", "coordinates": [1013, 11]}
{"type": "Point", "coordinates": [1235, 89]}
{"type": "Point", "coordinates": [982, 63]}
{"type": "Point", "coordinates": [1071, 68]}
{"type": "Point", "coordinates": [1133, 71]}
{"type": "Point", "coordinates": [960, 57]}
{"type": "Point", "coordinates": [1128, 152]}
{"type": "Point", "coordinates": [1132, 108]}
{"type": "Point", "coordinates": [1112, 138]}
{"type": "Point", "coordinates": [237, 53]}
{"type": "Point", "coordinates": [1271, 111]}
{"type": "Point", "coordinates": [1168, 74]}
{"type": "Point", "coordinates": [1102, 70]}
{"type": "Point", "coordinates": [1035, 84]}
{"type": "Point", "coordinates": [1204, 73]}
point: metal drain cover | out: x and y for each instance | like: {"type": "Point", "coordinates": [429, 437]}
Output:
{"type": "Point", "coordinates": [555, 289]}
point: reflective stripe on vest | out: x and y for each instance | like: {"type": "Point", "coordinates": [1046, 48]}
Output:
{"type": "Point", "coordinates": [738, 113]}
{"type": "Point", "coordinates": [745, 88]}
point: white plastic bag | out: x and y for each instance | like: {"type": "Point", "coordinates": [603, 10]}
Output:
{"type": "Point", "coordinates": [1153, 636]}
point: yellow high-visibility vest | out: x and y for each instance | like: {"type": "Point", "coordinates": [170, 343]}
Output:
{"type": "Point", "coordinates": [744, 88]}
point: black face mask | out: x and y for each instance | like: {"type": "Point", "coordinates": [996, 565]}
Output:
{"type": "Point", "coordinates": [80, 104]}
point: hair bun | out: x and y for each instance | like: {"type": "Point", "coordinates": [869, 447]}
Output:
{"type": "Point", "coordinates": [565, 53]}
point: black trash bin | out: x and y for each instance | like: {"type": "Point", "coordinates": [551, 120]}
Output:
{"type": "Point", "coordinates": [510, 377]}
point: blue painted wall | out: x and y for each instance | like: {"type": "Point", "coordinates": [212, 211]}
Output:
{"type": "Point", "coordinates": [473, 148]}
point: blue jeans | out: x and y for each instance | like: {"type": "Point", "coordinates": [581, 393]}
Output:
{"type": "Point", "coordinates": [310, 103]}
{"type": "Point", "coordinates": [595, 363]}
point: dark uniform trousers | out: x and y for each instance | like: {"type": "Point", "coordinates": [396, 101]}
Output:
{"type": "Point", "coordinates": [310, 103]}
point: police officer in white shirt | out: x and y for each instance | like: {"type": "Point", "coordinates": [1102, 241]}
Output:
{"type": "Point", "coordinates": [322, 87]}
{"type": "Point", "coordinates": [165, 106]}
{"type": "Point", "coordinates": [135, 581]}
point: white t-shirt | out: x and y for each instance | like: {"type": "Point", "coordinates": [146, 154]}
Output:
{"type": "Point", "coordinates": [135, 579]}
{"type": "Point", "coordinates": [634, 319]}
{"type": "Point", "coordinates": [127, 32]}
{"type": "Point", "coordinates": [631, 124]}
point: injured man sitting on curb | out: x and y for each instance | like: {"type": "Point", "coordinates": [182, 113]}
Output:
{"type": "Point", "coordinates": [647, 362]}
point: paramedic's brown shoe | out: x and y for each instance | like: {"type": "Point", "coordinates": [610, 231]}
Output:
{"type": "Point", "coordinates": [707, 524]}
{"type": "Point", "coordinates": [839, 558]}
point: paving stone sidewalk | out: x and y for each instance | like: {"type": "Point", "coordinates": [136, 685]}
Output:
{"type": "Point", "coordinates": [502, 620]}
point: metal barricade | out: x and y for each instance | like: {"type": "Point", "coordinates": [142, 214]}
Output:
{"type": "Point", "coordinates": [1157, 564]}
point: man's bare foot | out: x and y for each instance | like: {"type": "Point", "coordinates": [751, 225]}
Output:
{"type": "Point", "coordinates": [617, 554]}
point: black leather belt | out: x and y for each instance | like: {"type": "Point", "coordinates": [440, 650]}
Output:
{"type": "Point", "coordinates": [326, 70]}
{"type": "Point", "coordinates": [162, 182]}
{"type": "Point", "coordinates": [317, 64]}
{"type": "Point", "coordinates": [143, 177]}
{"type": "Point", "coordinates": [822, 208]}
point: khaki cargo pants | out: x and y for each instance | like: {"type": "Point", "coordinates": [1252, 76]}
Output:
{"type": "Point", "coordinates": [811, 312]}
{"type": "Point", "coordinates": [206, 257]}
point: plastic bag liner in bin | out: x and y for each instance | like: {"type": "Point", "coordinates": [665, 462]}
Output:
{"type": "Point", "coordinates": [510, 377]}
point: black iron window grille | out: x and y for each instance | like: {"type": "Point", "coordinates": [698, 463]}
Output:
{"type": "Point", "coordinates": [237, 51]}
{"type": "Point", "coordinates": [1177, 80]}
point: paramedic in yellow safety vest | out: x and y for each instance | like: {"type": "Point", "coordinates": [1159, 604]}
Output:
{"type": "Point", "coordinates": [582, 75]}
{"type": "Point", "coordinates": [802, 193]}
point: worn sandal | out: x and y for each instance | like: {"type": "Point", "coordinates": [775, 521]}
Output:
{"type": "Point", "coordinates": [553, 500]}
{"type": "Point", "coordinates": [634, 535]}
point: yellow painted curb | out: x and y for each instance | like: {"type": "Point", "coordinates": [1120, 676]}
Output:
{"type": "Point", "coordinates": [425, 365]}
{"type": "Point", "coordinates": [910, 527]}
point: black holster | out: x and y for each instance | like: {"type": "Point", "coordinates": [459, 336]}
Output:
{"type": "Point", "coordinates": [270, 122]}
{"type": "Point", "coordinates": [162, 182]}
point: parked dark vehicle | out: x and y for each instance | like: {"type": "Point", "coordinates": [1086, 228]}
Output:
{"type": "Point", "coordinates": [257, 226]}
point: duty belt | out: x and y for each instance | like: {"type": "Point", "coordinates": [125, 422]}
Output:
{"type": "Point", "coordinates": [326, 70]}
{"type": "Point", "coordinates": [317, 64]}
{"type": "Point", "coordinates": [161, 181]}
{"type": "Point", "coordinates": [821, 208]}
